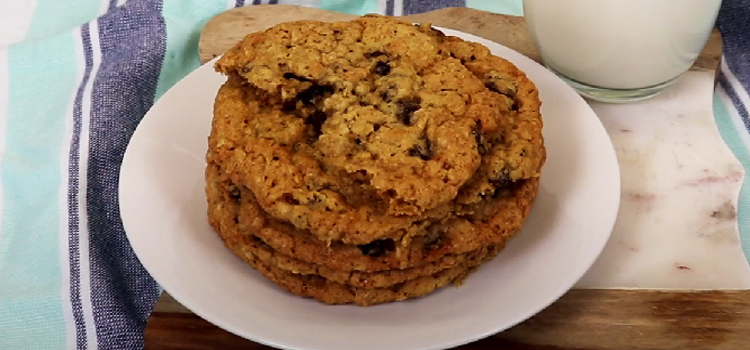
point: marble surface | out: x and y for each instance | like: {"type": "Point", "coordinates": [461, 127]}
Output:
{"type": "Point", "coordinates": [677, 224]}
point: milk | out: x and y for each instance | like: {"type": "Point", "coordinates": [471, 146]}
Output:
{"type": "Point", "coordinates": [620, 44]}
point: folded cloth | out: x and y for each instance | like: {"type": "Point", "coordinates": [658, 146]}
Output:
{"type": "Point", "coordinates": [75, 80]}
{"type": "Point", "coordinates": [732, 102]}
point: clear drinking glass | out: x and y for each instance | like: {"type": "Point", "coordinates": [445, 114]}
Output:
{"type": "Point", "coordinates": [620, 50]}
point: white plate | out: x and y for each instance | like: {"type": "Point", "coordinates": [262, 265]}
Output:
{"type": "Point", "coordinates": [164, 212]}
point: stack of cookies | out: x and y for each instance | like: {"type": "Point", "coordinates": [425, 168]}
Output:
{"type": "Point", "coordinates": [369, 161]}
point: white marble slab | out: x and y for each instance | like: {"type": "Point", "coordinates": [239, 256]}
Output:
{"type": "Point", "coordinates": [677, 225]}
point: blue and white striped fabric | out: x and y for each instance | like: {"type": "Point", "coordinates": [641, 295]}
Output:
{"type": "Point", "coordinates": [732, 102]}
{"type": "Point", "coordinates": [76, 78]}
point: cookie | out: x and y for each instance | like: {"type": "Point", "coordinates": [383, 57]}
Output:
{"type": "Point", "coordinates": [366, 280]}
{"type": "Point", "coordinates": [319, 288]}
{"type": "Point", "coordinates": [372, 129]}
{"type": "Point", "coordinates": [329, 292]}
{"type": "Point", "coordinates": [456, 236]}
{"type": "Point", "coordinates": [224, 208]}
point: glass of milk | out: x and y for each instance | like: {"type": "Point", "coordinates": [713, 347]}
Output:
{"type": "Point", "coordinates": [620, 50]}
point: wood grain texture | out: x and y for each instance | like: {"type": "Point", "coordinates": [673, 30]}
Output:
{"type": "Point", "coordinates": [227, 28]}
{"type": "Point", "coordinates": [580, 320]}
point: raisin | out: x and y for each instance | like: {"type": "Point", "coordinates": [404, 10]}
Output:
{"type": "Point", "coordinates": [433, 237]}
{"type": "Point", "coordinates": [361, 173]}
{"type": "Point", "coordinates": [289, 106]}
{"type": "Point", "coordinates": [311, 95]}
{"type": "Point", "coordinates": [381, 68]}
{"type": "Point", "coordinates": [433, 243]}
{"type": "Point", "coordinates": [384, 96]}
{"type": "Point", "coordinates": [423, 152]}
{"type": "Point", "coordinates": [497, 82]}
{"type": "Point", "coordinates": [378, 248]}
{"type": "Point", "coordinates": [500, 182]}
{"type": "Point", "coordinates": [289, 198]}
{"type": "Point", "coordinates": [316, 120]}
{"type": "Point", "coordinates": [477, 132]}
{"type": "Point", "coordinates": [406, 109]}
{"type": "Point", "coordinates": [503, 179]}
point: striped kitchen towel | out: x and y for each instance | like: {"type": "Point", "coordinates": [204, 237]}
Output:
{"type": "Point", "coordinates": [76, 77]}
{"type": "Point", "coordinates": [732, 102]}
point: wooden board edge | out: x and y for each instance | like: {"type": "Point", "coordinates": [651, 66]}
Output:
{"type": "Point", "coordinates": [592, 319]}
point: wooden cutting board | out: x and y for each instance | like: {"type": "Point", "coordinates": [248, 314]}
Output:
{"type": "Point", "coordinates": [582, 319]}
